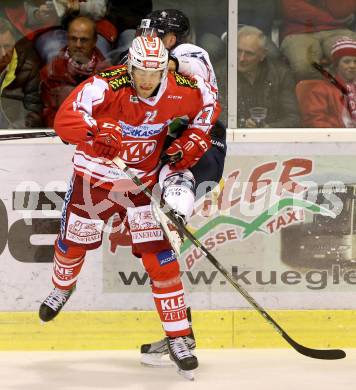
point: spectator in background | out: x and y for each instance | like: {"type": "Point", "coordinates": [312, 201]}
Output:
{"type": "Point", "coordinates": [310, 28]}
{"type": "Point", "coordinates": [264, 84]}
{"type": "Point", "coordinates": [20, 104]}
{"type": "Point", "coordinates": [39, 14]}
{"type": "Point", "coordinates": [45, 22]}
{"type": "Point", "coordinates": [15, 11]}
{"type": "Point", "coordinates": [322, 104]}
{"type": "Point", "coordinates": [76, 62]}
{"type": "Point", "coordinates": [51, 41]}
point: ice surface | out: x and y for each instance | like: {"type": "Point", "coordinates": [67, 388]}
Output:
{"type": "Point", "coordinates": [238, 369]}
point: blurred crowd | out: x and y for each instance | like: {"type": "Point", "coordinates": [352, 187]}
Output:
{"type": "Point", "coordinates": [49, 47]}
{"type": "Point", "coordinates": [296, 58]}
{"type": "Point", "coordinates": [296, 63]}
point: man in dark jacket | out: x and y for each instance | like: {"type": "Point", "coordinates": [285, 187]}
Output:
{"type": "Point", "coordinates": [20, 103]}
{"type": "Point", "coordinates": [266, 88]}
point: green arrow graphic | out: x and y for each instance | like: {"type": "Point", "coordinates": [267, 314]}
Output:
{"type": "Point", "coordinates": [255, 225]}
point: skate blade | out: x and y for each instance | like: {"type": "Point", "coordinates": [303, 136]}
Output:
{"type": "Point", "coordinates": [189, 375]}
{"type": "Point", "coordinates": [156, 360]}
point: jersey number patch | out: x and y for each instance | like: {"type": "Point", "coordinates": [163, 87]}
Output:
{"type": "Point", "coordinates": [150, 116]}
{"type": "Point", "coordinates": [205, 115]}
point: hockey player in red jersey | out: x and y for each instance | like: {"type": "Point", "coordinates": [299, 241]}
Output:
{"type": "Point", "coordinates": [173, 27]}
{"type": "Point", "coordinates": [127, 111]}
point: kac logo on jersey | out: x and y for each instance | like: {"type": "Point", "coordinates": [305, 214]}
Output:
{"type": "Point", "coordinates": [136, 151]}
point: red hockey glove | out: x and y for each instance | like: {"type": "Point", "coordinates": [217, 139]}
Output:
{"type": "Point", "coordinates": [107, 141]}
{"type": "Point", "coordinates": [187, 150]}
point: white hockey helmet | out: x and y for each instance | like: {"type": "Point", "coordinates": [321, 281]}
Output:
{"type": "Point", "coordinates": [148, 53]}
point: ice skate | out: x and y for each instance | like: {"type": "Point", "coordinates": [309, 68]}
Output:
{"type": "Point", "coordinates": [54, 303]}
{"type": "Point", "coordinates": [156, 354]}
{"type": "Point", "coordinates": [180, 354]}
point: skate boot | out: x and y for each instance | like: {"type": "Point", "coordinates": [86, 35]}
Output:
{"type": "Point", "coordinates": [181, 355]}
{"type": "Point", "coordinates": [156, 354]}
{"type": "Point", "coordinates": [53, 304]}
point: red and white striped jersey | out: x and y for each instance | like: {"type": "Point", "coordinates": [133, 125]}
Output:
{"type": "Point", "coordinates": [144, 122]}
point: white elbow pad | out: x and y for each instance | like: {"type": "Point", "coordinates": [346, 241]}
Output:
{"type": "Point", "coordinates": [178, 190]}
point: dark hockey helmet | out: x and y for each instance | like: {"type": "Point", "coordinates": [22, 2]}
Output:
{"type": "Point", "coordinates": [166, 21]}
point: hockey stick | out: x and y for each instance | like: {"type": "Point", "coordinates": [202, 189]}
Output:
{"type": "Point", "coordinates": [330, 78]}
{"type": "Point", "coordinates": [330, 354]}
{"type": "Point", "coordinates": [172, 236]}
{"type": "Point", "coordinates": [26, 135]}
{"type": "Point", "coordinates": [334, 82]}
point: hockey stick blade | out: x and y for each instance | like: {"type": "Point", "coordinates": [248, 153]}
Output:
{"type": "Point", "coordinates": [24, 135]}
{"type": "Point", "coordinates": [324, 354]}
{"type": "Point", "coordinates": [328, 354]}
